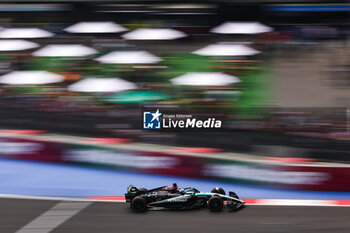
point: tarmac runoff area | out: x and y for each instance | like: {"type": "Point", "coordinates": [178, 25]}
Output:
{"type": "Point", "coordinates": [36, 215]}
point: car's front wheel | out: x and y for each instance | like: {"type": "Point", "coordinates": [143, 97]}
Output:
{"type": "Point", "coordinates": [139, 204]}
{"type": "Point", "coordinates": [215, 203]}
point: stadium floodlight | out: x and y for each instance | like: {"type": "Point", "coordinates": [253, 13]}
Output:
{"type": "Point", "coordinates": [154, 34]}
{"type": "Point", "coordinates": [101, 85]}
{"type": "Point", "coordinates": [16, 45]}
{"type": "Point", "coordinates": [205, 79]}
{"type": "Point", "coordinates": [21, 33]}
{"type": "Point", "coordinates": [129, 57]}
{"type": "Point", "coordinates": [223, 49]}
{"type": "Point", "coordinates": [64, 50]}
{"type": "Point", "coordinates": [30, 78]}
{"type": "Point", "coordinates": [241, 28]}
{"type": "Point", "coordinates": [95, 27]}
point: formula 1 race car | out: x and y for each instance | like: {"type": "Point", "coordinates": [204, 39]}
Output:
{"type": "Point", "coordinates": [170, 197]}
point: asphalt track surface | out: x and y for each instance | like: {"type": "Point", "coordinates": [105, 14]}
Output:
{"type": "Point", "coordinates": [111, 217]}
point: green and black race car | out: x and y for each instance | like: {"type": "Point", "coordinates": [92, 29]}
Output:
{"type": "Point", "coordinates": [170, 197]}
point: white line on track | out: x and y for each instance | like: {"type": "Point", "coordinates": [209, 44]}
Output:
{"type": "Point", "coordinates": [54, 217]}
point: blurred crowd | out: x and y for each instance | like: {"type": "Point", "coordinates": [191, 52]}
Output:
{"type": "Point", "coordinates": [111, 60]}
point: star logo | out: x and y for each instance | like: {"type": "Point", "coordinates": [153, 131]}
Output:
{"type": "Point", "coordinates": [156, 115]}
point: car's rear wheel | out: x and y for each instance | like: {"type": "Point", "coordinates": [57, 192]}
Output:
{"type": "Point", "coordinates": [138, 204]}
{"type": "Point", "coordinates": [215, 203]}
{"type": "Point", "coordinates": [218, 190]}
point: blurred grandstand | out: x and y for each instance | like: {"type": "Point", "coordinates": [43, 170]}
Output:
{"type": "Point", "coordinates": [106, 61]}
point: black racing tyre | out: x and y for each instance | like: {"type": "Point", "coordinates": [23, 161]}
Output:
{"type": "Point", "coordinates": [138, 204]}
{"type": "Point", "coordinates": [218, 190]}
{"type": "Point", "coordinates": [215, 203]}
